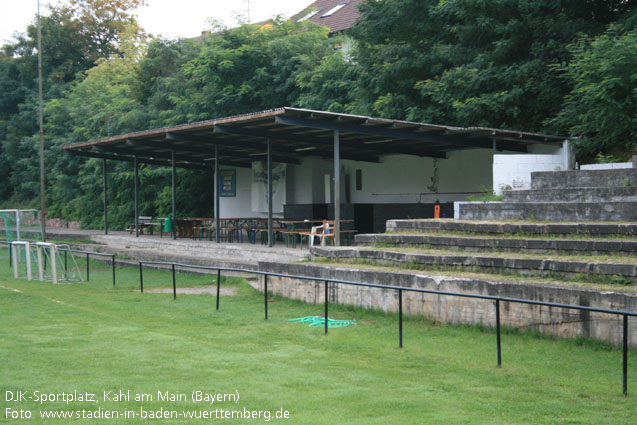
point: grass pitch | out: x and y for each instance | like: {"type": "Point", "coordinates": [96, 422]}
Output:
{"type": "Point", "coordinates": [92, 338]}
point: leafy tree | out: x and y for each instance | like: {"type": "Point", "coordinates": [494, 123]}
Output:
{"type": "Point", "coordinates": [472, 62]}
{"type": "Point", "coordinates": [601, 109]}
{"type": "Point", "coordinates": [250, 68]}
{"type": "Point", "coordinates": [74, 38]}
{"type": "Point", "coordinates": [330, 86]}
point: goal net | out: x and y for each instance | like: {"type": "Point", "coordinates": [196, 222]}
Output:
{"type": "Point", "coordinates": [20, 225]}
{"type": "Point", "coordinates": [44, 261]}
{"type": "Point", "coordinates": [56, 263]}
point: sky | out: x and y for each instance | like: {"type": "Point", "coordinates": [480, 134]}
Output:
{"type": "Point", "coordinates": [169, 18]}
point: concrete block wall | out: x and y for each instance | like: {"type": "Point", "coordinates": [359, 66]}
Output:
{"type": "Point", "coordinates": [585, 178]}
{"type": "Point", "coordinates": [515, 170]}
{"type": "Point", "coordinates": [459, 310]}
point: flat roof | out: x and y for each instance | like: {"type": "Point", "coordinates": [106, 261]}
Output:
{"type": "Point", "coordinates": [297, 133]}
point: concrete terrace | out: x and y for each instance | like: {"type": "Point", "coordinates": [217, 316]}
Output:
{"type": "Point", "coordinates": [198, 252]}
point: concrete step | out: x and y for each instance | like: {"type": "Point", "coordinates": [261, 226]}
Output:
{"type": "Point", "coordinates": [548, 211]}
{"type": "Point", "coordinates": [533, 246]}
{"type": "Point", "coordinates": [458, 310]}
{"type": "Point", "coordinates": [525, 266]}
{"type": "Point", "coordinates": [512, 228]}
{"type": "Point", "coordinates": [584, 178]}
{"type": "Point", "coordinates": [575, 194]}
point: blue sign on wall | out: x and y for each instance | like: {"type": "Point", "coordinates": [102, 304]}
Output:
{"type": "Point", "coordinates": [227, 183]}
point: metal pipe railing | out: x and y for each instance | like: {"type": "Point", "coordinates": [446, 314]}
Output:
{"type": "Point", "coordinates": [400, 289]}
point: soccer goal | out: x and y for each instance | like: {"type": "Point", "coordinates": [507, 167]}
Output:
{"type": "Point", "coordinates": [54, 262]}
{"type": "Point", "coordinates": [20, 225]}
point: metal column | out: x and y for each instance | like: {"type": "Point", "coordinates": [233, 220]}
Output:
{"type": "Point", "coordinates": [217, 223]}
{"type": "Point", "coordinates": [337, 189]}
{"type": "Point", "coordinates": [174, 193]}
{"type": "Point", "coordinates": [135, 185]}
{"type": "Point", "coordinates": [269, 166]}
{"type": "Point", "coordinates": [105, 171]}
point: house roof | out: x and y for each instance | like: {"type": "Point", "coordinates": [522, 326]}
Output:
{"type": "Point", "coordinates": [341, 18]}
{"type": "Point", "coordinates": [297, 133]}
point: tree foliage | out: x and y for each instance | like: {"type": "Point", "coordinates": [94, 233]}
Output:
{"type": "Point", "coordinates": [75, 37]}
{"type": "Point", "coordinates": [471, 62]}
{"type": "Point", "coordinates": [601, 108]}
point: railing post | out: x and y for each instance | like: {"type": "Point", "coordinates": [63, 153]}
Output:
{"type": "Point", "coordinates": [497, 331]}
{"type": "Point", "coordinates": [265, 295]}
{"type": "Point", "coordinates": [625, 365]}
{"type": "Point", "coordinates": [65, 262]}
{"type": "Point", "coordinates": [326, 306]}
{"type": "Point", "coordinates": [141, 278]}
{"type": "Point", "coordinates": [174, 283]}
{"type": "Point", "coordinates": [10, 255]}
{"type": "Point", "coordinates": [400, 317]}
{"type": "Point", "coordinates": [88, 270]}
{"type": "Point", "coordinates": [218, 286]}
{"type": "Point", "coordinates": [113, 261]}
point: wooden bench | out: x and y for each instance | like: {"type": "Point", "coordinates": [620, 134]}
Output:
{"type": "Point", "coordinates": [144, 222]}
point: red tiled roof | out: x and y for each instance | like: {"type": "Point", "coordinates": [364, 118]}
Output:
{"type": "Point", "coordinates": [342, 19]}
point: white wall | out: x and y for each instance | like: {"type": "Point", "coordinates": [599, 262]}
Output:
{"type": "Point", "coordinates": [240, 205]}
{"type": "Point", "coordinates": [400, 178]}
{"type": "Point", "coordinates": [408, 179]}
{"type": "Point", "coordinates": [612, 166]}
{"type": "Point", "coordinates": [396, 179]}
{"type": "Point", "coordinates": [514, 170]}
{"type": "Point", "coordinates": [304, 183]}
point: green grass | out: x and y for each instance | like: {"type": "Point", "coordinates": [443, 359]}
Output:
{"type": "Point", "coordinates": [93, 337]}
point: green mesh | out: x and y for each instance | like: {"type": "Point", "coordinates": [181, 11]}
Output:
{"type": "Point", "coordinates": [320, 321]}
{"type": "Point", "coordinates": [9, 223]}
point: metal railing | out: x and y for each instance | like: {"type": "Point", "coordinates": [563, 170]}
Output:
{"type": "Point", "coordinates": [496, 299]}
{"type": "Point", "coordinates": [97, 254]}
{"type": "Point", "coordinates": [87, 253]}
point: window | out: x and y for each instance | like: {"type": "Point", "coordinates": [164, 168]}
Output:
{"type": "Point", "coordinates": [359, 179]}
{"type": "Point", "coordinates": [309, 15]}
{"type": "Point", "coordinates": [334, 10]}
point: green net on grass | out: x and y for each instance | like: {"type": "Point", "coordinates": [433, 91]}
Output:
{"type": "Point", "coordinates": [320, 321]}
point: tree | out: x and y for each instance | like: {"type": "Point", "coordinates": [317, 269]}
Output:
{"type": "Point", "coordinates": [472, 62]}
{"type": "Point", "coordinates": [330, 86]}
{"type": "Point", "coordinates": [249, 68]}
{"type": "Point", "coordinates": [601, 109]}
{"type": "Point", "coordinates": [74, 38]}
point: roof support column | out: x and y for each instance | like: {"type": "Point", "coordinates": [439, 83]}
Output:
{"type": "Point", "coordinates": [217, 197]}
{"type": "Point", "coordinates": [136, 190]}
{"type": "Point", "coordinates": [104, 171]}
{"type": "Point", "coordinates": [337, 188]}
{"type": "Point", "coordinates": [174, 192]}
{"type": "Point", "coordinates": [269, 166]}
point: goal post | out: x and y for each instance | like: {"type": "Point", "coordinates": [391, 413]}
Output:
{"type": "Point", "coordinates": [54, 262]}
{"type": "Point", "coordinates": [17, 253]}
{"type": "Point", "coordinates": [20, 225]}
